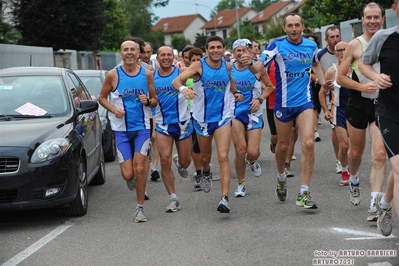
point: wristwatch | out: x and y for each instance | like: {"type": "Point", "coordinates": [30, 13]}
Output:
{"type": "Point", "coordinates": [260, 100]}
{"type": "Point", "coordinates": [148, 102]}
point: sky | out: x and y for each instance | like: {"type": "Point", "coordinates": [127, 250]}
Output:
{"type": "Point", "coordinates": [186, 7]}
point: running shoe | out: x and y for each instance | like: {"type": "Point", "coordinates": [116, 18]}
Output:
{"type": "Point", "coordinates": [317, 136]}
{"type": "Point", "coordinates": [240, 191]}
{"type": "Point", "coordinates": [154, 174]}
{"type": "Point", "coordinates": [224, 206]}
{"type": "Point", "coordinates": [182, 171]}
{"type": "Point", "coordinates": [338, 167]}
{"type": "Point", "coordinates": [256, 169]}
{"type": "Point", "coordinates": [281, 190]}
{"type": "Point", "coordinates": [305, 201]}
{"type": "Point", "coordinates": [344, 178]}
{"type": "Point", "coordinates": [293, 158]}
{"type": "Point", "coordinates": [206, 183]}
{"type": "Point", "coordinates": [173, 206]}
{"type": "Point", "coordinates": [354, 193]}
{"type": "Point", "coordinates": [288, 171]}
{"type": "Point", "coordinates": [146, 196]}
{"type": "Point", "coordinates": [372, 214]}
{"type": "Point", "coordinates": [273, 147]}
{"type": "Point", "coordinates": [131, 184]}
{"type": "Point", "coordinates": [197, 183]}
{"type": "Point", "coordinates": [140, 215]}
{"type": "Point", "coordinates": [384, 221]}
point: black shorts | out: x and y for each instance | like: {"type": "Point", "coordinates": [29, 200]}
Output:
{"type": "Point", "coordinates": [390, 131]}
{"type": "Point", "coordinates": [315, 97]}
{"type": "Point", "coordinates": [196, 148]}
{"type": "Point", "coordinates": [360, 112]}
{"type": "Point", "coordinates": [270, 120]}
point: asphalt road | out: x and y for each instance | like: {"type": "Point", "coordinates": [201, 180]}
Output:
{"type": "Point", "coordinates": [259, 230]}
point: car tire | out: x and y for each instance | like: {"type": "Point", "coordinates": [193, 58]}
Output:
{"type": "Point", "coordinates": [99, 178]}
{"type": "Point", "coordinates": [110, 155]}
{"type": "Point", "coordinates": [78, 207]}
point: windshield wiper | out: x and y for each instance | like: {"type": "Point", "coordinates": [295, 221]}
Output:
{"type": "Point", "coordinates": [9, 117]}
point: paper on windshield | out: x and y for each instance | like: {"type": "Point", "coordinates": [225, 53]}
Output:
{"type": "Point", "coordinates": [30, 109]}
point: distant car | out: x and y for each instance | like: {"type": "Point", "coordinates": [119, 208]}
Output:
{"type": "Point", "coordinates": [50, 144]}
{"type": "Point", "coordinates": [94, 79]}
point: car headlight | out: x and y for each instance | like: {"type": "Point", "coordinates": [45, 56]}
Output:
{"type": "Point", "coordinates": [50, 149]}
{"type": "Point", "coordinates": [104, 122]}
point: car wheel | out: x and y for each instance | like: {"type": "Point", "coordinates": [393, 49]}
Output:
{"type": "Point", "coordinates": [110, 155]}
{"type": "Point", "coordinates": [99, 178]}
{"type": "Point", "coordinates": [78, 207]}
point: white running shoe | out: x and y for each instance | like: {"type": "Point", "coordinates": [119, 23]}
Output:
{"type": "Point", "coordinates": [240, 191]}
{"type": "Point", "coordinates": [338, 167]}
{"type": "Point", "coordinates": [256, 169]}
{"type": "Point", "coordinates": [182, 171]}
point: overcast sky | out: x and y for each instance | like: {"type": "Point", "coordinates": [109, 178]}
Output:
{"type": "Point", "coordinates": [186, 7]}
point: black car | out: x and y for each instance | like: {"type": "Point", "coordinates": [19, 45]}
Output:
{"type": "Point", "coordinates": [94, 79]}
{"type": "Point", "coordinates": [50, 140]}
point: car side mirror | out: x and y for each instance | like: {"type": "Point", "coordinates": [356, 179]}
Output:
{"type": "Point", "coordinates": [87, 106]}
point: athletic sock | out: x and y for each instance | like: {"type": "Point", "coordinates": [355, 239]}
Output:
{"type": "Point", "coordinates": [303, 189]}
{"type": "Point", "coordinates": [282, 177]}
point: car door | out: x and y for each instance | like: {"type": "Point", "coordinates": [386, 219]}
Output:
{"type": "Point", "coordinates": [89, 123]}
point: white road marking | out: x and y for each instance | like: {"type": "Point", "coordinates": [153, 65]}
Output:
{"type": "Point", "coordinates": [36, 246]}
{"type": "Point", "coordinates": [364, 235]}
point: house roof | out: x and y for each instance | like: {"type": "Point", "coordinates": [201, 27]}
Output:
{"type": "Point", "coordinates": [294, 9]}
{"type": "Point", "coordinates": [270, 11]}
{"type": "Point", "coordinates": [175, 24]}
{"type": "Point", "coordinates": [226, 18]}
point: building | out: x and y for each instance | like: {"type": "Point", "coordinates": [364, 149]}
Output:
{"type": "Point", "coordinates": [226, 20]}
{"type": "Point", "coordinates": [188, 26]}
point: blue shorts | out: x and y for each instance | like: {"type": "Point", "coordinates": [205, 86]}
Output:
{"type": "Point", "coordinates": [250, 121]}
{"type": "Point", "coordinates": [207, 129]}
{"type": "Point", "coordinates": [339, 119]}
{"type": "Point", "coordinates": [129, 142]}
{"type": "Point", "coordinates": [287, 114]}
{"type": "Point", "coordinates": [178, 131]}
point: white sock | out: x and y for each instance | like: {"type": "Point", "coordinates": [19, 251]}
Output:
{"type": "Point", "coordinates": [282, 177]}
{"type": "Point", "coordinates": [344, 168]}
{"type": "Point", "coordinates": [383, 204]}
{"type": "Point", "coordinates": [304, 188]}
{"type": "Point", "coordinates": [354, 179]}
{"type": "Point", "coordinates": [372, 198]}
{"type": "Point", "coordinates": [172, 196]}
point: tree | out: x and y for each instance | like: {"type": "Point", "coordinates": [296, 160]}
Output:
{"type": "Point", "coordinates": [228, 4]}
{"type": "Point", "coordinates": [116, 27]}
{"type": "Point", "coordinates": [8, 34]}
{"type": "Point", "coordinates": [61, 24]}
{"type": "Point", "coordinates": [179, 41]}
{"type": "Point", "coordinates": [324, 12]}
{"type": "Point", "coordinates": [273, 28]}
{"type": "Point", "coordinates": [247, 31]}
{"type": "Point", "coordinates": [261, 4]}
{"type": "Point", "coordinates": [200, 40]}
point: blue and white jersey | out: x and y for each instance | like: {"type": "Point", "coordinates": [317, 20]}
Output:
{"type": "Point", "coordinates": [126, 96]}
{"type": "Point", "coordinates": [293, 68]}
{"type": "Point", "coordinates": [213, 100]}
{"type": "Point", "coordinates": [250, 87]}
{"type": "Point", "coordinates": [172, 105]}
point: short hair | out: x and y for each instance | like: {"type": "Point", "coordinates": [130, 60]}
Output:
{"type": "Point", "coordinates": [195, 51]}
{"type": "Point", "coordinates": [186, 49]}
{"type": "Point", "coordinates": [150, 44]}
{"type": "Point", "coordinates": [165, 46]}
{"type": "Point", "coordinates": [373, 4]}
{"type": "Point", "coordinates": [137, 40]}
{"type": "Point", "coordinates": [311, 35]}
{"type": "Point", "coordinates": [212, 39]}
{"type": "Point", "coordinates": [331, 28]}
{"type": "Point", "coordinates": [292, 14]}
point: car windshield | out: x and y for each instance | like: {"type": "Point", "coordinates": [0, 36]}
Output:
{"type": "Point", "coordinates": [93, 84]}
{"type": "Point", "coordinates": [32, 96]}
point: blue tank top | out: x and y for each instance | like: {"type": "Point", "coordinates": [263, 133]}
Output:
{"type": "Point", "coordinates": [250, 87]}
{"type": "Point", "coordinates": [214, 99]}
{"type": "Point", "coordinates": [126, 96]}
{"type": "Point", "coordinates": [172, 105]}
{"type": "Point", "coordinates": [293, 70]}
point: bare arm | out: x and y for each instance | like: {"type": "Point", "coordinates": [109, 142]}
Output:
{"type": "Point", "coordinates": [233, 88]}
{"type": "Point", "coordinates": [323, 93]}
{"type": "Point", "coordinates": [382, 80]}
{"type": "Point", "coordinates": [326, 84]}
{"type": "Point", "coordinates": [177, 83]}
{"type": "Point", "coordinates": [151, 91]}
{"type": "Point", "coordinates": [108, 85]}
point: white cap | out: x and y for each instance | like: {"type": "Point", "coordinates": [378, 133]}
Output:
{"type": "Point", "coordinates": [227, 53]}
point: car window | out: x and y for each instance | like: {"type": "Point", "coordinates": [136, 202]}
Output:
{"type": "Point", "coordinates": [78, 91]}
{"type": "Point", "coordinates": [93, 84]}
{"type": "Point", "coordinates": [45, 92]}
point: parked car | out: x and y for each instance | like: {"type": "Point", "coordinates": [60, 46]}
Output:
{"type": "Point", "coordinates": [50, 144]}
{"type": "Point", "coordinates": [94, 79]}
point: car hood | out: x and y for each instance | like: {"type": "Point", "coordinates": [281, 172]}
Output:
{"type": "Point", "coordinates": [28, 132]}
